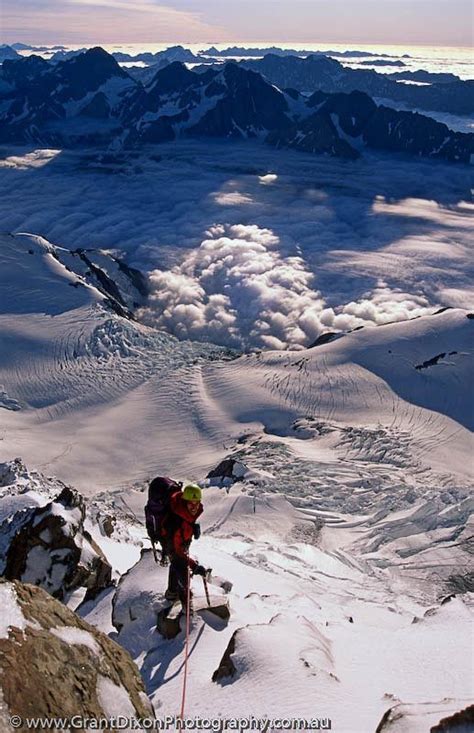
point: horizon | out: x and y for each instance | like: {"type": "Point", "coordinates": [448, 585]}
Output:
{"type": "Point", "coordinates": [366, 22]}
{"type": "Point", "coordinates": [297, 45]}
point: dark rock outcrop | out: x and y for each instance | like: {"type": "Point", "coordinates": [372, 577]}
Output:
{"type": "Point", "coordinates": [171, 54]}
{"type": "Point", "coordinates": [248, 105]}
{"type": "Point", "coordinates": [88, 71]}
{"type": "Point", "coordinates": [325, 338]}
{"type": "Point", "coordinates": [7, 52]}
{"type": "Point", "coordinates": [420, 716]}
{"type": "Point", "coordinates": [172, 78]}
{"type": "Point", "coordinates": [460, 722]}
{"type": "Point", "coordinates": [41, 95]}
{"type": "Point", "coordinates": [19, 73]}
{"type": "Point", "coordinates": [461, 582]}
{"type": "Point", "coordinates": [344, 122]}
{"type": "Point", "coordinates": [426, 77]}
{"type": "Point", "coordinates": [316, 134]}
{"type": "Point", "coordinates": [168, 622]}
{"type": "Point", "coordinates": [228, 468]}
{"type": "Point", "coordinates": [410, 132]}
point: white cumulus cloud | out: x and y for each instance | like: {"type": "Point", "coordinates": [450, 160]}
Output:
{"type": "Point", "coordinates": [237, 289]}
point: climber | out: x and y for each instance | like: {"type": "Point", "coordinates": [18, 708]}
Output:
{"type": "Point", "coordinates": [185, 508]}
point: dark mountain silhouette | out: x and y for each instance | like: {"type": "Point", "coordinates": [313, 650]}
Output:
{"type": "Point", "coordinates": [327, 74]}
{"type": "Point", "coordinates": [90, 100]}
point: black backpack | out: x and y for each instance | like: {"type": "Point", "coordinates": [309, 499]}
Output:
{"type": "Point", "coordinates": [157, 508]}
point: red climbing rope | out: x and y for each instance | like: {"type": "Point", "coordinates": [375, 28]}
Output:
{"type": "Point", "coordinates": [186, 645]}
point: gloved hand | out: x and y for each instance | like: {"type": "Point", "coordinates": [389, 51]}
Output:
{"type": "Point", "coordinates": [196, 531]}
{"type": "Point", "coordinates": [200, 570]}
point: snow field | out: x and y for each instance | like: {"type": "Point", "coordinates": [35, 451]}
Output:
{"type": "Point", "coordinates": [349, 527]}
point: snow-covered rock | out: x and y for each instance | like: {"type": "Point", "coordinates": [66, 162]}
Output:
{"type": "Point", "coordinates": [16, 481]}
{"type": "Point", "coordinates": [228, 471]}
{"type": "Point", "coordinates": [256, 645]}
{"type": "Point", "coordinates": [54, 664]}
{"type": "Point", "coordinates": [21, 491]}
{"type": "Point", "coordinates": [95, 276]}
{"type": "Point", "coordinates": [446, 716]}
{"type": "Point", "coordinates": [140, 592]}
{"type": "Point", "coordinates": [51, 548]}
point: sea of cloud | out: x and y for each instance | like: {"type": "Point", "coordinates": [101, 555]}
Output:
{"type": "Point", "coordinates": [256, 248]}
{"type": "Point", "coordinates": [237, 289]}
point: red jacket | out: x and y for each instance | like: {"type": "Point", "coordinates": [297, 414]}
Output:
{"type": "Point", "coordinates": [182, 533]}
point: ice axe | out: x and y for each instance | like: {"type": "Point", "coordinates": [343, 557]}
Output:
{"type": "Point", "coordinates": [206, 589]}
{"type": "Point", "coordinates": [220, 609]}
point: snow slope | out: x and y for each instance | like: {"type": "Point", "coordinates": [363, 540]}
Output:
{"type": "Point", "coordinates": [315, 633]}
{"type": "Point", "coordinates": [71, 366]}
{"type": "Point", "coordinates": [89, 383]}
{"type": "Point", "coordinates": [346, 536]}
{"type": "Point", "coordinates": [34, 281]}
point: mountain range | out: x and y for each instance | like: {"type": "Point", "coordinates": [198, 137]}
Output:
{"type": "Point", "coordinates": [8, 52]}
{"type": "Point", "coordinates": [89, 99]}
{"type": "Point", "coordinates": [328, 74]}
{"type": "Point", "coordinates": [253, 52]}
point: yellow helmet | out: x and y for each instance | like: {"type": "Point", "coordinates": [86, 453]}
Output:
{"type": "Point", "coordinates": [192, 492]}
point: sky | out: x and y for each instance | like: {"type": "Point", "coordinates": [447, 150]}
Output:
{"type": "Point", "coordinates": [404, 22]}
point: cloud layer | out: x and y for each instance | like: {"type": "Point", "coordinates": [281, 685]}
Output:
{"type": "Point", "coordinates": [237, 289]}
{"type": "Point", "coordinates": [257, 248]}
